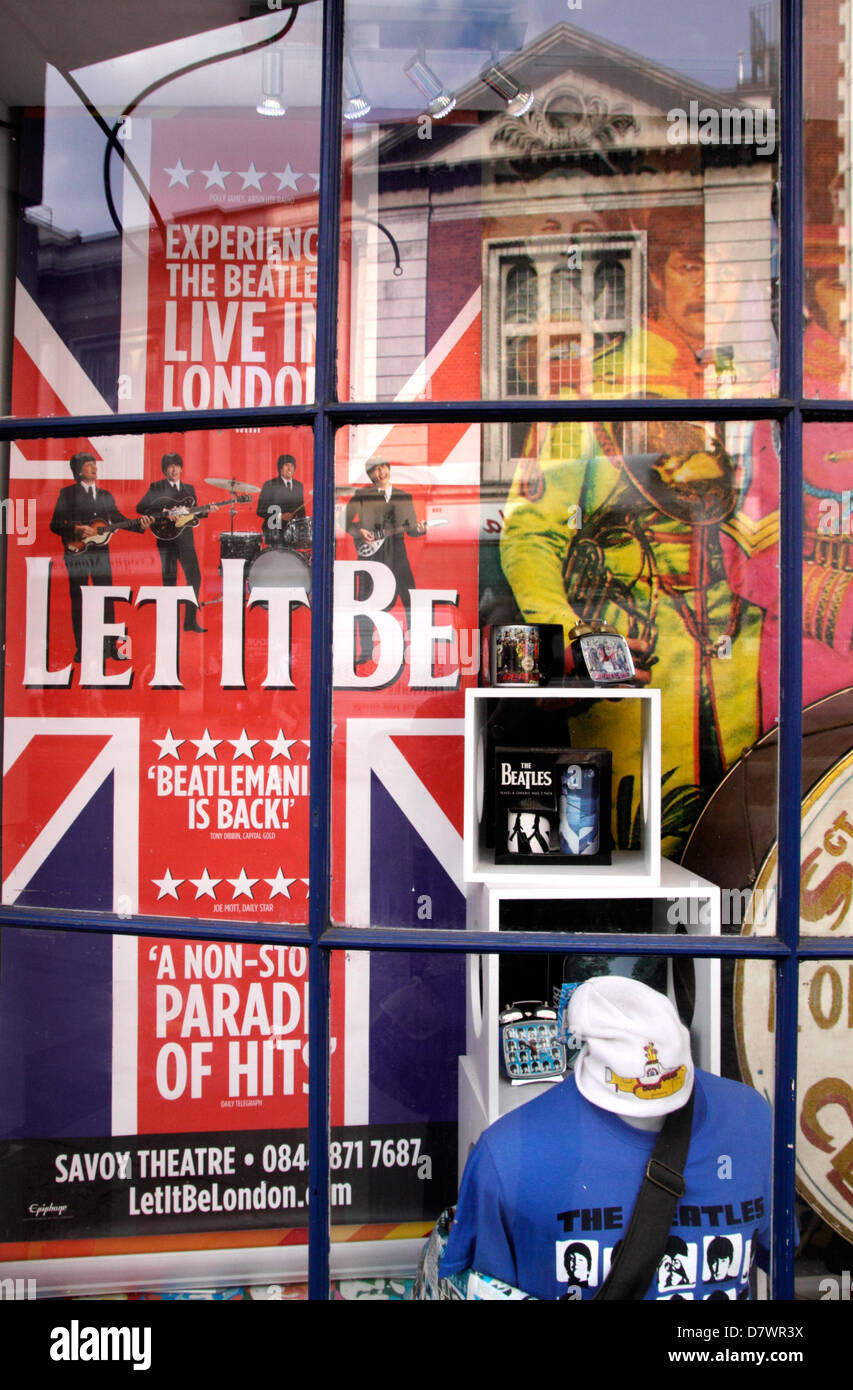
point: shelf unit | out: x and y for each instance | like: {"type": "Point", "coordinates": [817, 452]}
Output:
{"type": "Point", "coordinates": [674, 897]}
{"type": "Point", "coordinates": [638, 866]}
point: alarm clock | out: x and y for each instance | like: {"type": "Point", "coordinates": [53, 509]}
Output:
{"type": "Point", "coordinates": [530, 1048]}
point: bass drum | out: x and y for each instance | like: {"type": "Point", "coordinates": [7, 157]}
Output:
{"type": "Point", "coordinates": [280, 569]}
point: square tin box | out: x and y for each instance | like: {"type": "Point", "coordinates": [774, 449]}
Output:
{"type": "Point", "coordinates": [552, 805]}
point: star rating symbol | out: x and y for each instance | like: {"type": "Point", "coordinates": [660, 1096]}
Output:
{"type": "Point", "coordinates": [243, 746]}
{"type": "Point", "coordinates": [280, 746]}
{"type": "Point", "coordinates": [168, 885]}
{"type": "Point", "coordinates": [216, 177]}
{"type": "Point", "coordinates": [243, 885]}
{"type": "Point", "coordinates": [252, 178]}
{"type": "Point", "coordinates": [179, 175]}
{"type": "Point", "coordinates": [206, 746]}
{"type": "Point", "coordinates": [279, 884]}
{"type": "Point", "coordinates": [288, 179]}
{"type": "Point", "coordinates": [168, 746]}
{"type": "Point", "coordinates": [205, 886]}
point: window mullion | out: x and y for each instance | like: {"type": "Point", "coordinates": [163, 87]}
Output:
{"type": "Point", "coordinates": [790, 653]}
{"type": "Point", "coordinates": [321, 648]}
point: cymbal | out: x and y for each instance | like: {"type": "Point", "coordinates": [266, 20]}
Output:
{"type": "Point", "coordinates": [231, 485]}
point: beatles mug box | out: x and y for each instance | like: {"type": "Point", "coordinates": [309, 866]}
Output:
{"type": "Point", "coordinates": [552, 805]}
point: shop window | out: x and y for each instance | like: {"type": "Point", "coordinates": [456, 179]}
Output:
{"type": "Point", "coordinates": [528, 215]}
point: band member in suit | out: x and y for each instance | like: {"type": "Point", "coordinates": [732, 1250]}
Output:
{"type": "Point", "coordinates": [80, 510]}
{"type": "Point", "coordinates": [376, 511]}
{"type": "Point", "coordinates": [282, 500]}
{"type": "Point", "coordinates": [162, 497]}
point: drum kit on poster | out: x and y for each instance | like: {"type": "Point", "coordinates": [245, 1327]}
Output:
{"type": "Point", "coordinates": [282, 563]}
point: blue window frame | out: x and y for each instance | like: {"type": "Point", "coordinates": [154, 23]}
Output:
{"type": "Point", "coordinates": [327, 416]}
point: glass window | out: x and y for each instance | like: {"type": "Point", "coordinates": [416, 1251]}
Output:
{"type": "Point", "coordinates": [826, 346]}
{"type": "Point", "coordinates": [155, 1097]}
{"type": "Point", "coordinates": [163, 584]}
{"type": "Point", "coordinates": [492, 150]}
{"type": "Point", "coordinates": [537, 384]}
{"type": "Point", "coordinates": [167, 233]}
{"type": "Point", "coordinates": [436, 575]}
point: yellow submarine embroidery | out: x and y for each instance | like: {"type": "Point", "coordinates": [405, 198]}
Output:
{"type": "Point", "coordinates": [654, 1082]}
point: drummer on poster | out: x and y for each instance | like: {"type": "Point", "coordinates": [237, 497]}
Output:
{"type": "Point", "coordinates": [282, 500]}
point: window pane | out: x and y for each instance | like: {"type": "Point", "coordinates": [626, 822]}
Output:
{"type": "Point", "coordinates": [565, 294]}
{"type": "Point", "coordinates": [448, 553]}
{"type": "Point", "coordinates": [548, 1117]}
{"type": "Point", "coordinates": [155, 1099]}
{"type": "Point", "coordinates": [394, 1149]}
{"type": "Point", "coordinates": [827, 560]}
{"type": "Point", "coordinates": [824, 1107]}
{"type": "Point", "coordinates": [167, 234]}
{"type": "Point", "coordinates": [521, 293]}
{"type": "Point", "coordinates": [157, 694]}
{"type": "Point", "coordinates": [827, 192]}
{"type": "Point", "coordinates": [823, 1131]}
{"type": "Point", "coordinates": [509, 165]}
{"type": "Point", "coordinates": [827, 676]}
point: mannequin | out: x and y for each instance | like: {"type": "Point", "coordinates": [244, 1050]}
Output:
{"type": "Point", "coordinates": [549, 1189]}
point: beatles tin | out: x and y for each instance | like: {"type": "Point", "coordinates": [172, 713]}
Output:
{"type": "Point", "coordinates": [552, 805]}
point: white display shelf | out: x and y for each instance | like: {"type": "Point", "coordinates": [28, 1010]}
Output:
{"type": "Point", "coordinates": [679, 898]}
{"type": "Point", "coordinates": [633, 868]}
{"type": "Point", "coordinates": [570, 885]}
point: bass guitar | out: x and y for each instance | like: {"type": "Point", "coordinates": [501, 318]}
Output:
{"type": "Point", "coordinates": [103, 532]}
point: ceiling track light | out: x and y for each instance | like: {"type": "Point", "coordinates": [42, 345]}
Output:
{"type": "Point", "coordinates": [271, 103]}
{"type": "Point", "coordinates": [356, 104]}
{"type": "Point", "coordinates": [439, 102]}
{"type": "Point", "coordinates": [518, 99]}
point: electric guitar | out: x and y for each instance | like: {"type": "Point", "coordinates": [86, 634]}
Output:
{"type": "Point", "coordinates": [170, 523]}
{"type": "Point", "coordinates": [365, 549]}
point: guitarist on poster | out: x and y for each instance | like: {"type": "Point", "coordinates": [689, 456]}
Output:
{"type": "Point", "coordinates": [85, 516]}
{"type": "Point", "coordinates": [379, 517]}
{"type": "Point", "coordinates": [164, 497]}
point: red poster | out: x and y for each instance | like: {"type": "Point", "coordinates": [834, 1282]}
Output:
{"type": "Point", "coordinates": [222, 1030]}
{"type": "Point", "coordinates": [153, 768]}
{"type": "Point", "coordinates": [190, 748]}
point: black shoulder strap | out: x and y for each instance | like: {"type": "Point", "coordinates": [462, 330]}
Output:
{"type": "Point", "coordinates": [644, 1242]}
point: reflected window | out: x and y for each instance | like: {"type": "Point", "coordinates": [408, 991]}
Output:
{"type": "Point", "coordinates": [609, 290]}
{"type": "Point", "coordinates": [521, 293]}
{"type": "Point", "coordinates": [579, 301]}
{"type": "Point", "coordinates": [566, 296]}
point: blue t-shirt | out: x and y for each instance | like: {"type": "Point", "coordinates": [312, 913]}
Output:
{"type": "Point", "coordinates": [549, 1189]}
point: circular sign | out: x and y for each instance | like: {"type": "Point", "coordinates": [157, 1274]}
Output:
{"type": "Point", "coordinates": [734, 842]}
{"type": "Point", "coordinates": [825, 1008]}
